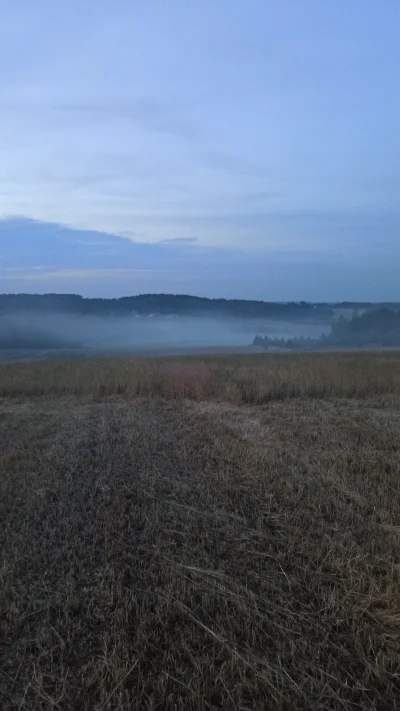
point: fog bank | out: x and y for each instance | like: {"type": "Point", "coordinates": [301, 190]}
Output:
{"type": "Point", "coordinates": [27, 331]}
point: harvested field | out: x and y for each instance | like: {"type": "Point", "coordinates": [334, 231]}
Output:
{"type": "Point", "coordinates": [217, 533]}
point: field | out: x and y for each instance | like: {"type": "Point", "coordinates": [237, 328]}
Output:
{"type": "Point", "coordinates": [214, 533]}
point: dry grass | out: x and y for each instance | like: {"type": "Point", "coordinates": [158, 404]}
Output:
{"type": "Point", "coordinates": [221, 534]}
{"type": "Point", "coordinates": [241, 379]}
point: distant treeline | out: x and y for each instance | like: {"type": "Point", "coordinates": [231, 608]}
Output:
{"type": "Point", "coordinates": [379, 327]}
{"type": "Point", "coordinates": [164, 304]}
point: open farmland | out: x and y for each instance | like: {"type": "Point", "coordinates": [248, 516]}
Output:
{"type": "Point", "coordinates": [215, 533]}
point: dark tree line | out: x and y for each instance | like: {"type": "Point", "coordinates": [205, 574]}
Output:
{"type": "Point", "coordinates": [377, 327]}
{"type": "Point", "coordinates": [165, 304]}
{"type": "Point", "coordinates": [179, 304]}
{"type": "Point", "coordinates": [380, 327]}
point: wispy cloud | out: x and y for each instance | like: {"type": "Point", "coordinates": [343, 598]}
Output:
{"type": "Point", "coordinates": [179, 240]}
{"type": "Point", "coordinates": [147, 113]}
{"type": "Point", "coordinates": [21, 270]}
{"type": "Point", "coordinates": [167, 120]}
{"type": "Point", "coordinates": [70, 275]}
{"type": "Point", "coordinates": [93, 243]}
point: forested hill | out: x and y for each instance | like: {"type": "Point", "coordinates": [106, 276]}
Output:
{"type": "Point", "coordinates": [374, 328]}
{"type": "Point", "coordinates": [163, 304]}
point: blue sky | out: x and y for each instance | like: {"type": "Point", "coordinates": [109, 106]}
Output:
{"type": "Point", "coordinates": [239, 148]}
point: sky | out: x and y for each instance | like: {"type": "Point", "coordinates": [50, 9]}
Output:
{"type": "Point", "coordinates": [240, 148]}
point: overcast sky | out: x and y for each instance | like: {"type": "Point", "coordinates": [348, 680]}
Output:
{"type": "Point", "coordinates": [241, 148]}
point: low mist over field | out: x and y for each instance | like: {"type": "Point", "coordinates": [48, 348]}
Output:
{"type": "Point", "coordinates": [31, 324]}
{"type": "Point", "coordinates": [61, 324]}
{"type": "Point", "coordinates": [154, 332]}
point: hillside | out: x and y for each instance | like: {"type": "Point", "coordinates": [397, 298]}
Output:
{"type": "Point", "coordinates": [145, 304]}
